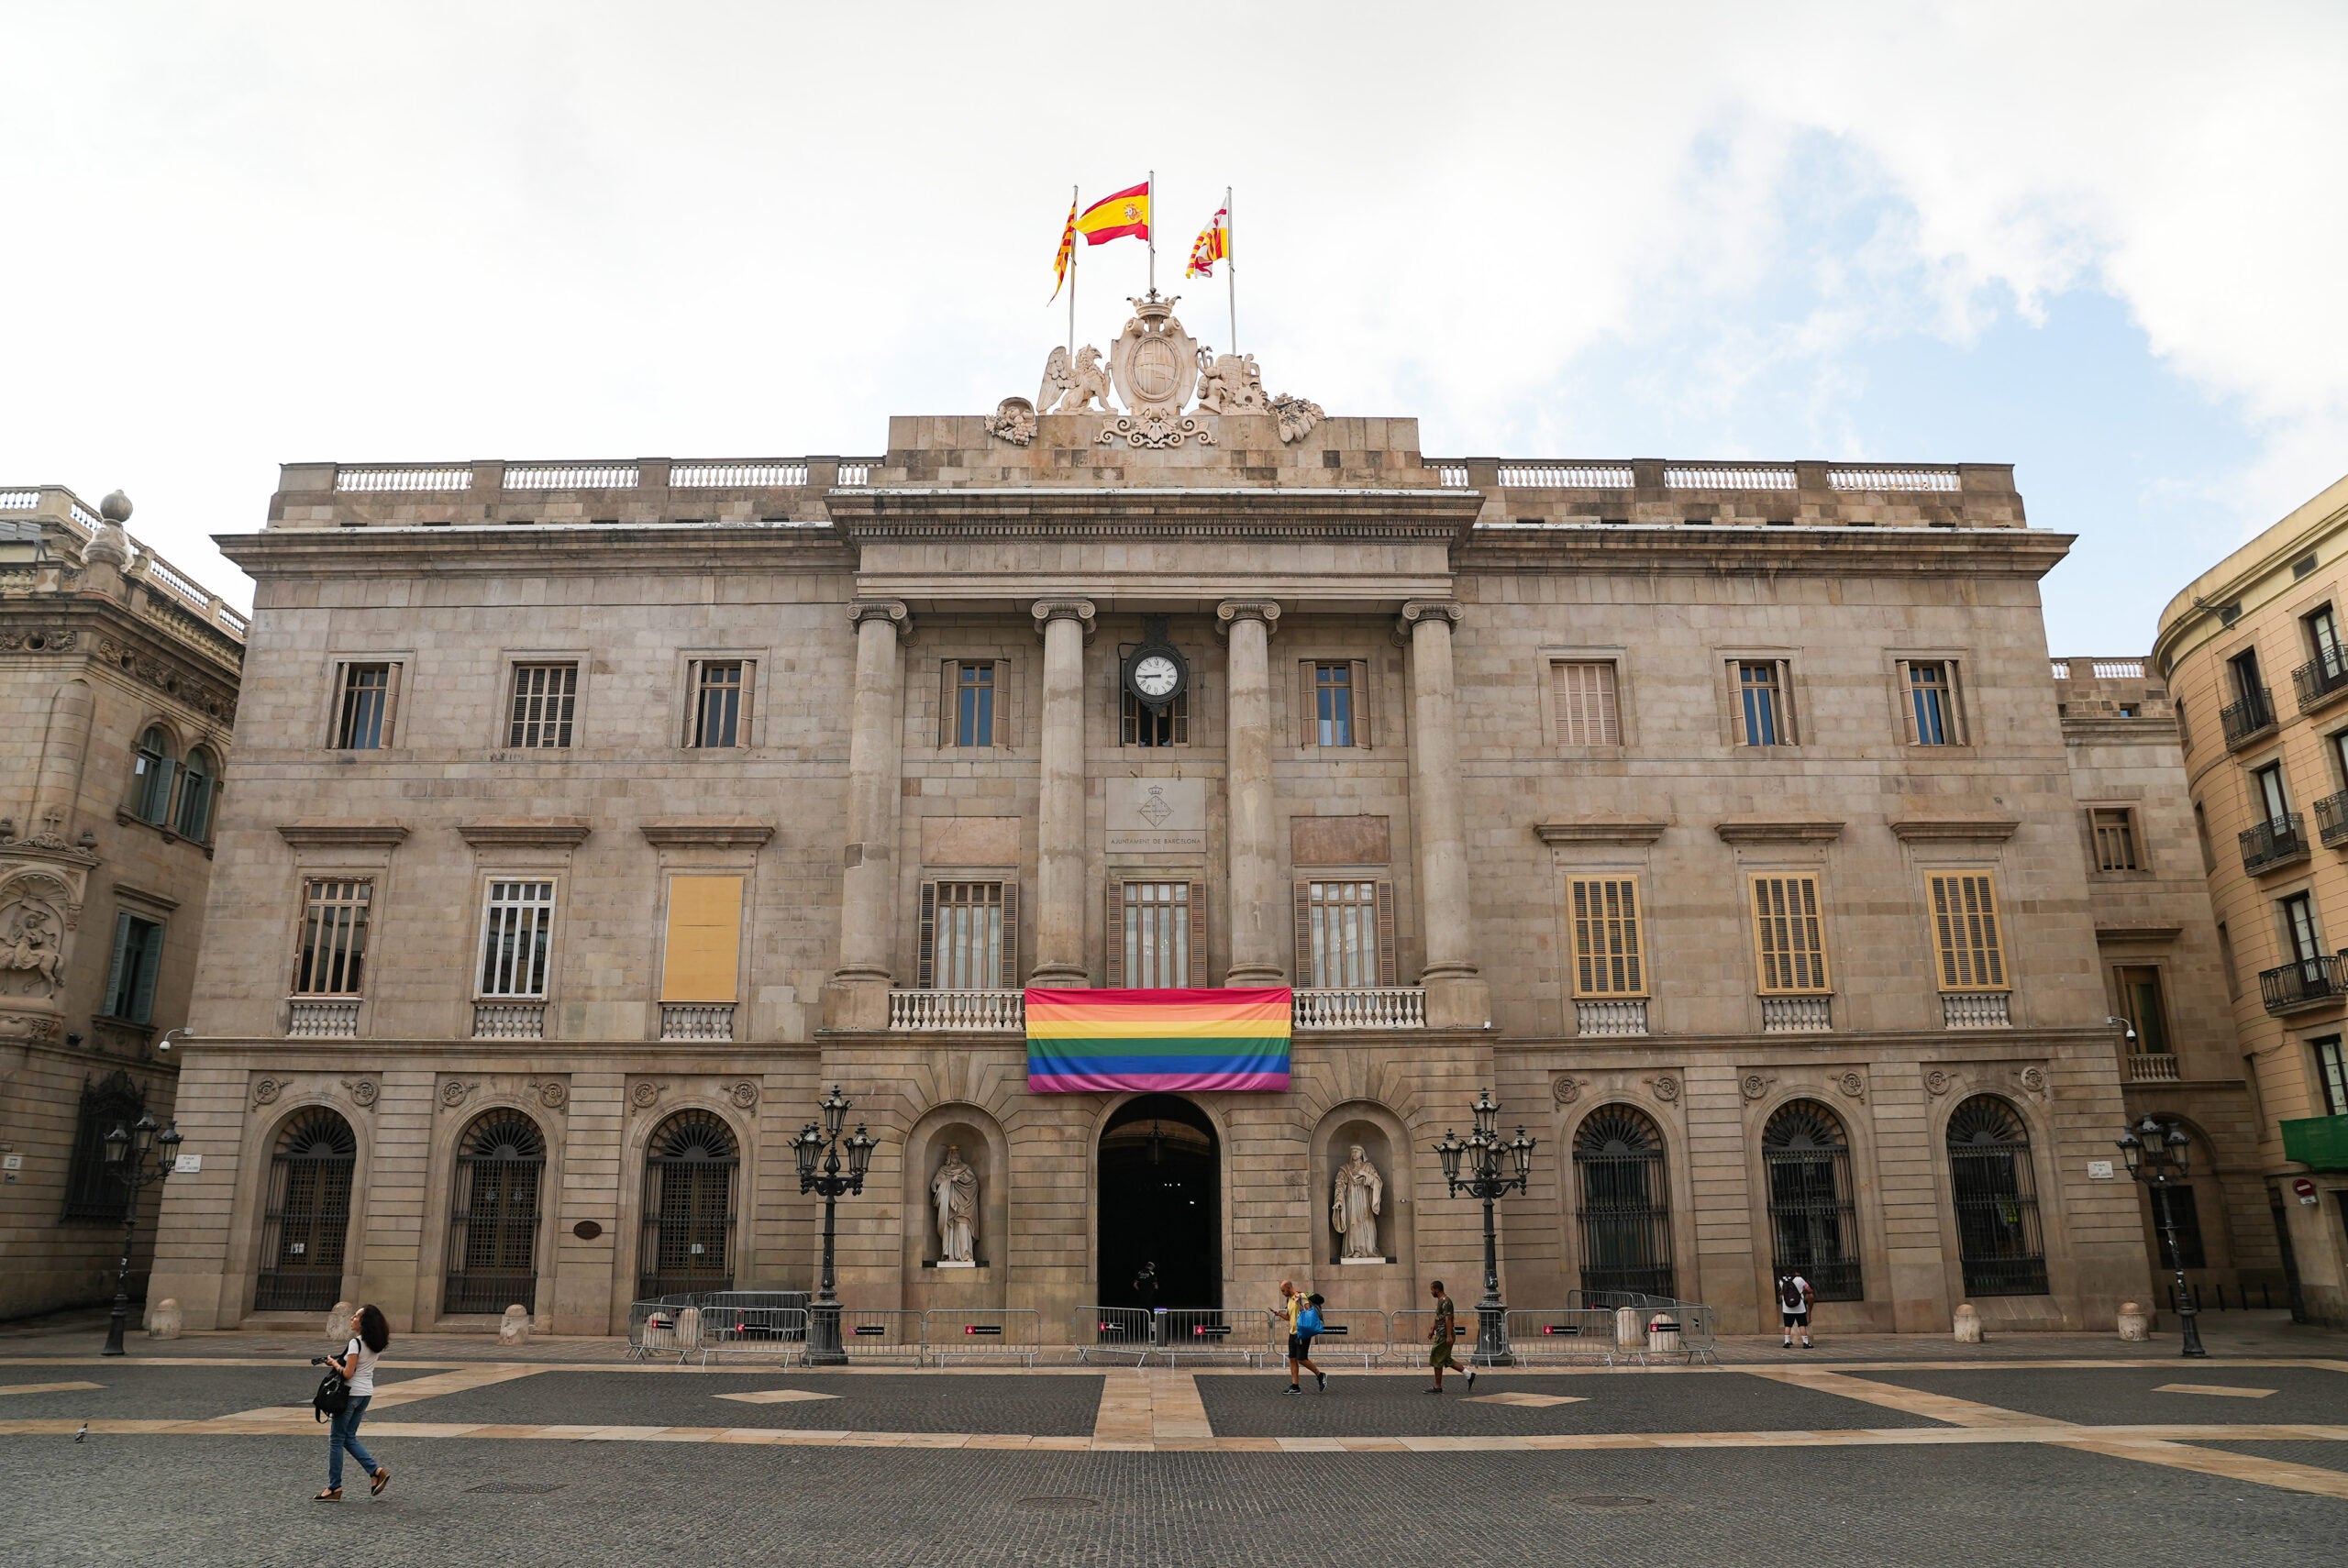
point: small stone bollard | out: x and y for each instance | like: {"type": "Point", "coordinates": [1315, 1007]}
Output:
{"type": "Point", "coordinates": [1630, 1330]}
{"type": "Point", "coordinates": [1969, 1324]}
{"type": "Point", "coordinates": [2135, 1327]}
{"type": "Point", "coordinates": [163, 1319]}
{"type": "Point", "coordinates": [689, 1328]}
{"type": "Point", "coordinates": [338, 1323]}
{"type": "Point", "coordinates": [514, 1329]}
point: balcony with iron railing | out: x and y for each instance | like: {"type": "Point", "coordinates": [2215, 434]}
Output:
{"type": "Point", "coordinates": [2303, 983]}
{"type": "Point", "coordinates": [2331, 819]}
{"type": "Point", "coordinates": [2322, 682]}
{"type": "Point", "coordinates": [2246, 719]}
{"type": "Point", "coordinates": [2277, 841]}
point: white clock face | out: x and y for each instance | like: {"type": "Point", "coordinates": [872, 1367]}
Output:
{"type": "Point", "coordinates": [1155, 676]}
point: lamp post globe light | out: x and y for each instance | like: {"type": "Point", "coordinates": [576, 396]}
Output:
{"type": "Point", "coordinates": [2157, 1155]}
{"type": "Point", "coordinates": [138, 1157]}
{"type": "Point", "coordinates": [1492, 1169]}
{"type": "Point", "coordinates": [822, 1172]}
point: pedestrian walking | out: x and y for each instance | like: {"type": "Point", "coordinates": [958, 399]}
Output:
{"type": "Point", "coordinates": [1794, 1296]}
{"type": "Point", "coordinates": [369, 1334]}
{"type": "Point", "coordinates": [1445, 1334]}
{"type": "Point", "coordinates": [1294, 1305]}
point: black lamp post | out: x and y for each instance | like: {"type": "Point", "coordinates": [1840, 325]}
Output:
{"type": "Point", "coordinates": [127, 1160]}
{"type": "Point", "coordinates": [1488, 1162]}
{"type": "Point", "coordinates": [2156, 1155]}
{"type": "Point", "coordinates": [813, 1143]}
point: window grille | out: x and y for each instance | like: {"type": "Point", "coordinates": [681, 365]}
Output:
{"type": "Point", "coordinates": [333, 939]}
{"type": "Point", "coordinates": [199, 793]}
{"type": "Point", "coordinates": [150, 778]}
{"type": "Point", "coordinates": [517, 924]}
{"type": "Point", "coordinates": [91, 1189]}
{"type": "Point", "coordinates": [687, 1231]}
{"type": "Point", "coordinates": [974, 692]}
{"type": "Point", "coordinates": [1346, 931]}
{"type": "Point", "coordinates": [306, 1218]}
{"type": "Point", "coordinates": [1813, 1218]}
{"type": "Point", "coordinates": [720, 691]}
{"type": "Point", "coordinates": [1996, 1193]}
{"type": "Point", "coordinates": [1609, 960]}
{"type": "Point", "coordinates": [1931, 702]}
{"type": "Point", "coordinates": [2114, 831]}
{"type": "Point", "coordinates": [368, 709]}
{"type": "Point", "coordinates": [545, 699]}
{"type": "Point", "coordinates": [1586, 706]}
{"type": "Point", "coordinates": [130, 977]}
{"type": "Point", "coordinates": [1964, 929]}
{"type": "Point", "coordinates": [1155, 929]}
{"type": "Point", "coordinates": [968, 939]}
{"type": "Point", "coordinates": [1764, 717]}
{"type": "Point", "coordinates": [493, 1215]}
{"type": "Point", "coordinates": [1622, 1205]}
{"type": "Point", "coordinates": [1789, 936]}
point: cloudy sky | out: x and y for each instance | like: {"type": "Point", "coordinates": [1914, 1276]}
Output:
{"type": "Point", "coordinates": [2103, 242]}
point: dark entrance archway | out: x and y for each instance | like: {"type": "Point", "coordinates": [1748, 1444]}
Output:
{"type": "Point", "coordinates": [1160, 1201]}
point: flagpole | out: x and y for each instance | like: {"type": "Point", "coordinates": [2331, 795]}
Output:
{"type": "Point", "coordinates": [1074, 246]}
{"type": "Point", "coordinates": [1230, 270]}
{"type": "Point", "coordinates": [1149, 200]}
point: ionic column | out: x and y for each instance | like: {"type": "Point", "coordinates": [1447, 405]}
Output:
{"type": "Point", "coordinates": [1066, 625]}
{"type": "Point", "coordinates": [1259, 915]}
{"type": "Point", "coordinates": [858, 997]}
{"type": "Point", "coordinates": [1457, 996]}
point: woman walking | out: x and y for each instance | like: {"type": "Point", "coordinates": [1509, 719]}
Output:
{"type": "Point", "coordinates": [369, 1334]}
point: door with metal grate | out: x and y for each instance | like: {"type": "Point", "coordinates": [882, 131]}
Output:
{"type": "Point", "coordinates": [1624, 1206]}
{"type": "Point", "coordinates": [686, 1243]}
{"type": "Point", "coordinates": [1996, 1193]}
{"type": "Point", "coordinates": [493, 1215]}
{"type": "Point", "coordinates": [307, 1221]}
{"type": "Point", "coordinates": [1813, 1220]}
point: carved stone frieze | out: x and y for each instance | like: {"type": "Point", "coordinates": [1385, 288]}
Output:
{"type": "Point", "coordinates": [265, 1091]}
{"type": "Point", "coordinates": [1154, 430]}
{"type": "Point", "coordinates": [169, 677]}
{"type": "Point", "coordinates": [38, 639]}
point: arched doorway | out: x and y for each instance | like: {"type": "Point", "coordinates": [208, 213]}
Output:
{"type": "Point", "coordinates": [493, 1215]}
{"type": "Point", "coordinates": [685, 1242]}
{"type": "Point", "coordinates": [1162, 1202]}
{"type": "Point", "coordinates": [306, 1219]}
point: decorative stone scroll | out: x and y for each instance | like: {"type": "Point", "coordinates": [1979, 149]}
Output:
{"type": "Point", "coordinates": [1565, 1090]}
{"type": "Point", "coordinates": [1753, 1085]}
{"type": "Point", "coordinates": [645, 1095]}
{"type": "Point", "coordinates": [1154, 430]}
{"type": "Point", "coordinates": [265, 1090]}
{"type": "Point", "coordinates": [454, 1094]}
{"type": "Point", "coordinates": [363, 1091]}
{"type": "Point", "coordinates": [743, 1094]}
{"type": "Point", "coordinates": [1938, 1082]}
{"type": "Point", "coordinates": [553, 1094]}
{"type": "Point", "coordinates": [1854, 1084]}
{"type": "Point", "coordinates": [1665, 1087]}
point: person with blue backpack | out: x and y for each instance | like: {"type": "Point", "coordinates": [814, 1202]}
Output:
{"type": "Point", "coordinates": [1303, 1315]}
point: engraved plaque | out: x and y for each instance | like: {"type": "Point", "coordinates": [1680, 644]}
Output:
{"type": "Point", "coordinates": [1157, 816]}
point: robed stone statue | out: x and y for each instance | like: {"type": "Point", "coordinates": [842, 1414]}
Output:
{"type": "Point", "coordinates": [955, 1188]}
{"type": "Point", "coordinates": [1355, 1205]}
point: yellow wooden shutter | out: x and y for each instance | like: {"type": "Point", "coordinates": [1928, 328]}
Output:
{"type": "Point", "coordinates": [1608, 957]}
{"type": "Point", "coordinates": [1789, 935]}
{"type": "Point", "coordinates": [703, 961]}
{"type": "Point", "coordinates": [1587, 714]}
{"type": "Point", "coordinates": [1964, 929]}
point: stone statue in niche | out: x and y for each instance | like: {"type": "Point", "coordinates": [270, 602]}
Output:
{"type": "Point", "coordinates": [1353, 1207]}
{"type": "Point", "coordinates": [30, 952]}
{"type": "Point", "coordinates": [955, 1190]}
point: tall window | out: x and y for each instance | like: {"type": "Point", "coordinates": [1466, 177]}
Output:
{"type": "Point", "coordinates": [1996, 1193]}
{"type": "Point", "coordinates": [91, 1189]}
{"type": "Point", "coordinates": [150, 777]}
{"type": "Point", "coordinates": [366, 707]}
{"type": "Point", "coordinates": [333, 938]}
{"type": "Point", "coordinates": [199, 789]}
{"type": "Point", "coordinates": [1622, 1203]}
{"type": "Point", "coordinates": [2267, 793]}
{"type": "Point", "coordinates": [1345, 931]}
{"type": "Point", "coordinates": [2337, 744]}
{"type": "Point", "coordinates": [2299, 931]}
{"type": "Point", "coordinates": [1789, 937]}
{"type": "Point", "coordinates": [2248, 685]}
{"type": "Point", "coordinates": [1609, 958]}
{"type": "Point", "coordinates": [687, 1232]}
{"type": "Point", "coordinates": [970, 939]}
{"type": "Point", "coordinates": [2323, 638]}
{"type": "Point", "coordinates": [974, 704]}
{"type": "Point", "coordinates": [720, 688]}
{"type": "Point", "coordinates": [493, 1215]}
{"type": "Point", "coordinates": [517, 924]}
{"type": "Point", "coordinates": [2332, 1074]}
{"type": "Point", "coordinates": [1587, 709]}
{"type": "Point", "coordinates": [306, 1221]}
{"type": "Point", "coordinates": [1333, 704]}
{"type": "Point", "coordinates": [1964, 932]}
{"type": "Point", "coordinates": [1139, 725]}
{"type": "Point", "coordinates": [130, 978]}
{"type": "Point", "coordinates": [2146, 1010]}
{"type": "Point", "coordinates": [1931, 702]}
{"type": "Point", "coordinates": [545, 696]}
{"type": "Point", "coordinates": [1763, 716]}
{"type": "Point", "coordinates": [1155, 929]}
{"type": "Point", "coordinates": [1813, 1218]}
{"type": "Point", "coordinates": [2113, 829]}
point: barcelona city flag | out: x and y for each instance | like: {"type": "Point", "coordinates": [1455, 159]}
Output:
{"type": "Point", "coordinates": [1213, 245]}
{"type": "Point", "coordinates": [1235, 1038]}
{"type": "Point", "coordinates": [1067, 252]}
{"type": "Point", "coordinates": [1113, 217]}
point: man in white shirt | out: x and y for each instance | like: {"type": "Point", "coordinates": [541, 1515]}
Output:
{"type": "Point", "coordinates": [1794, 1295]}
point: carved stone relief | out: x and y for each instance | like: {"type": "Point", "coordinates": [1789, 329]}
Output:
{"type": "Point", "coordinates": [265, 1090]}
{"type": "Point", "coordinates": [553, 1094]}
{"type": "Point", "coordinates": [1938, 1082]}
{"type": "Point", "coordinates": [32, 938]}
{"type": "Point", "coordinates": [1565, 1090]}
{"type": "Point", "coordinates": [1665, 1087]}
{"type": "Point", "coordinates": [363, 1091]}
{"type": "Point", "coordinates": [38, 639]}
{"type": "Point", "coordinates": [455, 1093]}
{"type": "Point", "coordinates": [1854, 1084]}
{"type": "Point", "coordinates": [1754, 1085]}
{"type": "Point", "coordinates": [645, 1095]}
{"type": "Point", "coordinates": [1013, 421]}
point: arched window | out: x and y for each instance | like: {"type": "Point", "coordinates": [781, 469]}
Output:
{"type": "Point", "coordinates": [688, 1227]}
{"type": "Point", "coordinates": [1998, 1240]}
{"type": "Point", "coordinates": [91, 1192]}
{"type": "Point", "coordinates": [308, 1217]}
{"type": "Point", "coordinates": [199, 788]}
{"type": "Point", "coordinates": [493, 1215]}
{"type": "Point", "coordinates": [1813, 1223]}
{"type": "Point", "coordinates": [151, 782]}
{"type": "Point", "coordinates": [1624, 1209]}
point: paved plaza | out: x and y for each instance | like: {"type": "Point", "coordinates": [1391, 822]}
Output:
{"type": "Point", "coordinates": [2053, 1449]}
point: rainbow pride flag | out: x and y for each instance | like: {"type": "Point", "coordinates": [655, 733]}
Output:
{"type": "Point", "coordinates": [1091, 1041]}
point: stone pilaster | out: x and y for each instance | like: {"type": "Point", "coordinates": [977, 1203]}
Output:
{"type": "Point", "coordinates": [857, 996]}
{"type": "Point", "coordinates": [1066, 624]}
{"type": "Point", "coordinates": [1457, 996]}
{"type": "Point", "coordinates": [1259, 912]}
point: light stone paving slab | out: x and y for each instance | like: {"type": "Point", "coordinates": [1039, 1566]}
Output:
{"type": "Point", "coordinates": [2222, 1390]}
{"type": "Point", "coordinates": [775, 1395]}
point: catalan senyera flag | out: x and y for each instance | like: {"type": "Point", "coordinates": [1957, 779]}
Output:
{"type": "Point", "coordinates": [1113, 217]}
{"type": "Point", "coordinates": [1067, 252]}
{"type": "Point", "coordinates": [1213, 245]}
{"type": "Point", "coordinates": [1235, 1038]}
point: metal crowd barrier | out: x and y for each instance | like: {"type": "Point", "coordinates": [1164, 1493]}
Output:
{"type": "Point", "coordinates": [878, 1335]}
{"type": "Point", "coordinates": [670, 1326]}
{"type": "Point", "coordinates": [1113, 1332]}
{"type": "Point", "coordinates": [777, 1332]}
{"type": "Point", "coordinates": [1015, 1334]}
{"type": "Point", "coordinates": [1204, 1334]}
{"type": "Point", "coordinates": [1413, 1332]}
{"type": "Point", "coordinates": [1585, 1334]}
{"type": "Point", "coordinates": [1347, 1334]}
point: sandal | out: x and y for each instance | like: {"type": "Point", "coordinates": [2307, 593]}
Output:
{"type": "Point", "coordinates": [383, 1479]}
{"type": "Point", "coordinates": [331, 1495]}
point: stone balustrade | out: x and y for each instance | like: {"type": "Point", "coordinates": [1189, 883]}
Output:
{"type": "Point", "coordinates": [998, 1012]}
{"type": "Point", "coordinates": [1976, 1009]}
{"type": "Point", "coordinates": [1797, 1015]}
{"type": "Point", "coordinates": [2152, 1067]}
{"type": "Point", "coordinates": [313, 1020]}
{"type": "Point", "coordinates": [1623, 1017]}
{"type": "Point", "coordinates": [1382, 1006]}
{"type": "Point", "coordinates": [509, 1021]}
{"type": "Point", "coordinates": [696, 1021]}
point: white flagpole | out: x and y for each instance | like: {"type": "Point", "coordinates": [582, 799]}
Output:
{"type": "Point", "coordinates": [1076, 243]}
{"type": "Point", "coordinates": [1230, 270]}
{"type": "Point", "coordinates": [1149, 199]}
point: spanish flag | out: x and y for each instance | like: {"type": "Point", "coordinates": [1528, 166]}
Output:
{"type": "Point", "coordinates": [1067, 252]}
{"type": "Point", "coordinates": [1113, 217]}
{"type": "Point", "coordinates": [1213, 245]}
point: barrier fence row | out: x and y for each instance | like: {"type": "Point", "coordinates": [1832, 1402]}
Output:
{"type": "Point", "coordinates": [755, 1324]}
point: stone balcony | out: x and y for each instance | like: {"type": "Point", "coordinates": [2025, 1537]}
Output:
{"type": "Point", "coordinates": [1005, 1011]}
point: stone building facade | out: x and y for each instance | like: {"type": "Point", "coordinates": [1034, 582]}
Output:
{"type": "Point", "coordinates": [1717, 817]}
{"type": "Point", "coordinates": [2252, 650]}
{"type": "Point", "coordinates": [118, 693]}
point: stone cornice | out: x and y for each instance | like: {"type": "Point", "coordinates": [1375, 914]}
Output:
{"type": "Point", "coordinates": [503, 833]}
{"type": "Point", "coordinates": [1778, 830]}
{"type": "Point", "coordinates": [549, 548]}
{"type": "Point", "coordinates": [2117, 935]}
{"type": "Point", "coordinates": [1602, 830]}
{"type": "Point", "coordinates": [1744, 551]}
{"type": "Point", "coordinates": [1948, 830]}
{"type": "Point", "coordinates": [316, 833]}
{"type": "Point", "coordinates": [1147, 512]}
{"type": "Point", "coordinates": [675, 832]}
{"type": "Point", "coordinates": [200, 676]}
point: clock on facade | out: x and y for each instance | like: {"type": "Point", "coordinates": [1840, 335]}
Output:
{"type": "Point", "coordinates": [1155, 671]}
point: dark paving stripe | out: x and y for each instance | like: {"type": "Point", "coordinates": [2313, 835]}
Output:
{"type": "Point", "coordinates": [2322, 1456]}
{"type": "Point", "coordinates": [870, 1402]}
{"type": "Point", "coordinates": [140, 1390]}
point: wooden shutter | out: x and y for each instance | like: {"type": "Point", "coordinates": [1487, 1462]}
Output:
{"type": "Point", "coordinates": [1908, 703]}
{"type": "Point", "coordinates": [1609, 955]}
{"type": "Point", "coordinates": [746, 731]}
{"type": "Point", "coordinates": [1789, 937]}
{"type": "Point", "coordinates": [949, 702]}
{"type": "Point", "coordinates": [391, 703]}
{"type": "Point", "coordinates": [1010, 980]}
{"type": "Point", "coordinates": [1359, 697]}
{"type": "Point", "coordinates": [1115, 971]}
{"type": "Point", "coordinates": [1388, 966]}
{"type": "Point", "coordinates": [113, 972]}
{"type": "Point", "coordinates": [702, 960]}
{"type": "Point", "coordinates": [1586, 702]}
{"type": "Point", "coordinates": [142, 1005]}
{"type": "Point", "coordinates": [925, 943]}
{"type": "Point", "coordinates": [1196, 971]}
{"type": "Point", "coordinates": [1305, 978]}
{"type": "Point", "coordinates": [1953, 703]}
{"type": "Point", "coordinates": [1964, 929]}
{"type": "Point", "coordinates": [1004, 733]}
{"type": "Point", "coordinates": [1307, 729]}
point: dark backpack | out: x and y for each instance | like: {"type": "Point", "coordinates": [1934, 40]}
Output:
{"type": "Point", "coordinates": [1789, 1294]}
{"type": "Point", "coordinates": [333, 1396]}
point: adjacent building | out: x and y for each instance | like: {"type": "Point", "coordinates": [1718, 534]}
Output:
{"type": "Point", "coordinates": [593, 818]}
{"type": "Point", "coordinates": [119, 681]}
{"type": "Point", "coordinates": [2252, 650]}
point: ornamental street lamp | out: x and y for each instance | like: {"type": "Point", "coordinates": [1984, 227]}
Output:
{"type": "Point", "coordinates": [1488, 1162]}
{"type": "Point", "coordinates": [2157, 1154]}
{"type": "Point", "coordinates": [824, 1144]}
{"type": "Point", "coordinates": [127, 1160]}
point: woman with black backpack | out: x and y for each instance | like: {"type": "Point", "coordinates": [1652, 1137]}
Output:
{"type": "Point", "coordinates": [356, 1366]}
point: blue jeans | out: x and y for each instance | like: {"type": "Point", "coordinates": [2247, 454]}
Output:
{"type": "Point", "coordinates": [345, 1434]}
